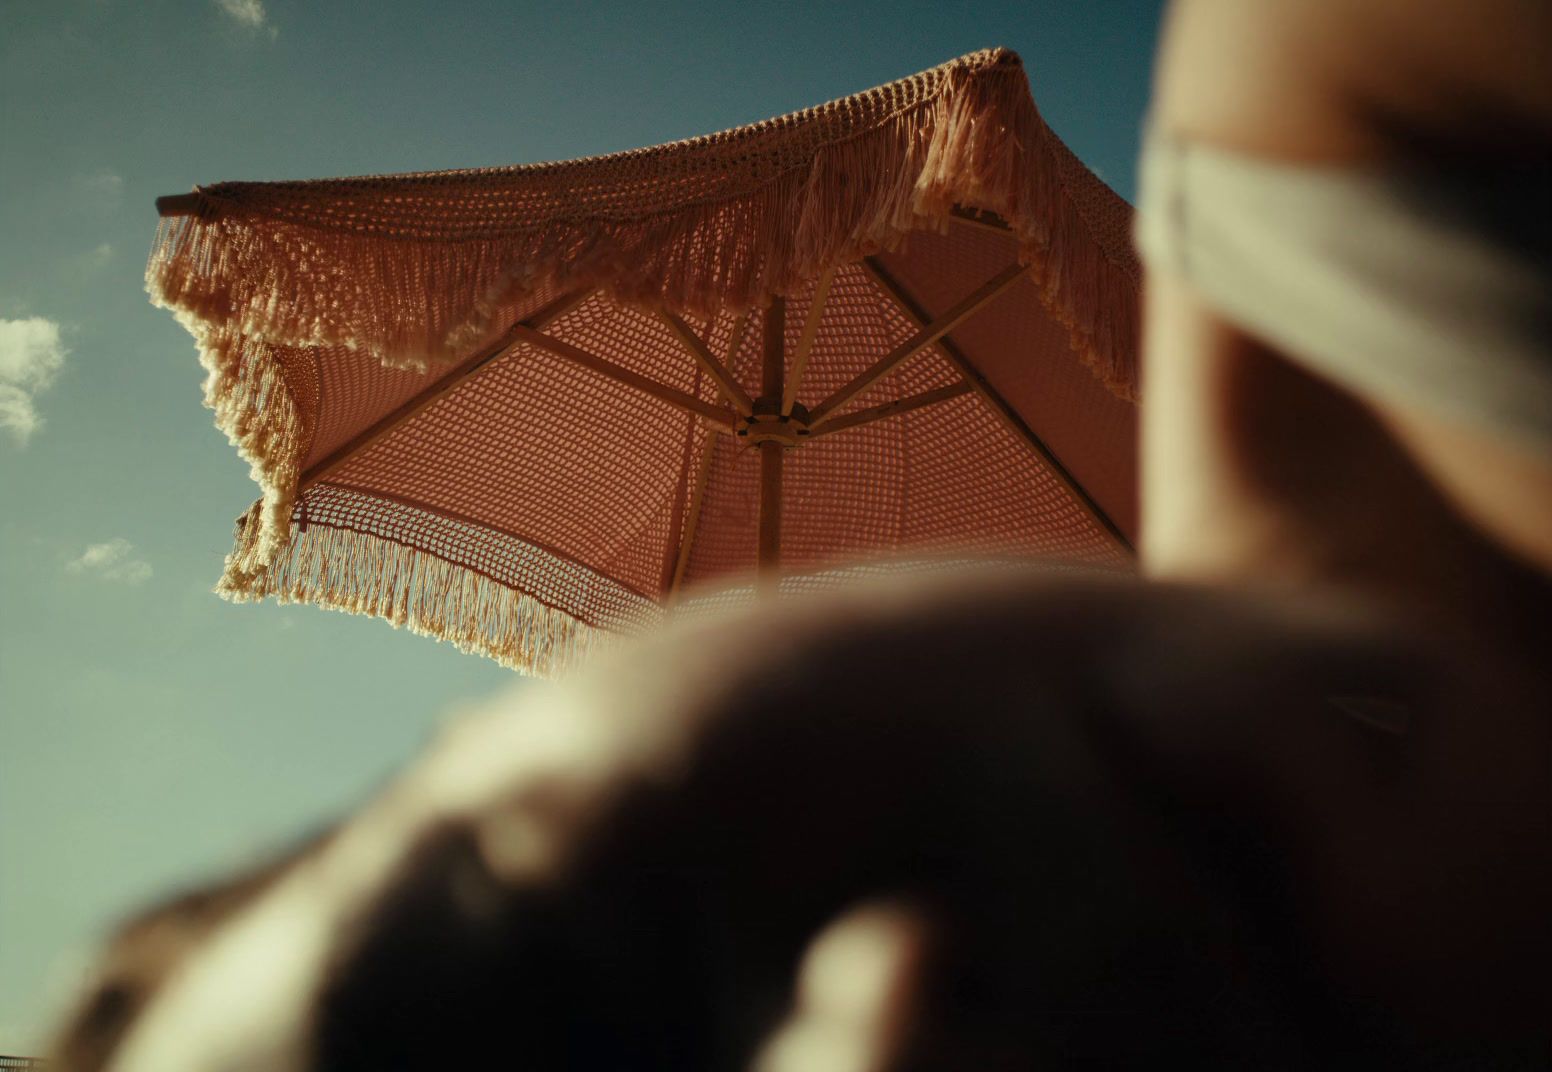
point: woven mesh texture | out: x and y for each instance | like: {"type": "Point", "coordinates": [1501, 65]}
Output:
{"type": "Point", "coordinates": [572, 464]}
{"type": "Point", "coordinates": [1024, 353]}
{"type": "Point", "coordinates": [553, 579]}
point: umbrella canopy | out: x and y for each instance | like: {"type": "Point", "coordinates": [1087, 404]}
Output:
{"type": "Point", "coordinates": [518, 408]}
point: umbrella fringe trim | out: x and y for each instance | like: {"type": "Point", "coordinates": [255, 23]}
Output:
{"type": "Point", "coordinates": [246, 388]}
{"type": "Point", "coordinates": [359, 573]}
{"type": "Point", "coordinates": [975, 140]}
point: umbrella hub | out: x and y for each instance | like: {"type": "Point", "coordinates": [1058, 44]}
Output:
{"type": "Point", "coordinates": [767, 424]}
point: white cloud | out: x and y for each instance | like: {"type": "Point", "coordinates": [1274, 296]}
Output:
{"type": "Point", "coordinates": [104, 187]}
{"type": "Point", "coordinates": [30, 352]}
{"type": "Point", "coordinates": [249, 13]}
{"type": "Point", "coordinates": [31, 356]}
{"type": "Point", "coordinates": [93, 260]}
{"type": "Point", "coordinates": [18, 414]}
{"type": "Point", "coordinates": [112, 561]}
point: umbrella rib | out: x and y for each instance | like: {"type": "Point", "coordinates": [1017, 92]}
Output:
{"type": "Point", "coordinates": [414, 405]}
{"type": "Point", "coordinates": [889, 409]}
{"type": "Point", "coordinates": [789, 393]}
{"type": "Point", "coordinates": [1006, 413]}
{"type": "Point", "coordinates": [730, 388]}
{"type": "Point", "coordinates": [715, 415]}
{"type": "Point", "coordinates": [682, 560]}
{"type": "Point", "coordinates": [170, 205]}
{"type": "Point", "coordinates": [736, 340]}
{"type": "Point", "coordinates": [929, 334]}
{"type": "Point", "coordinates": [986, 221]}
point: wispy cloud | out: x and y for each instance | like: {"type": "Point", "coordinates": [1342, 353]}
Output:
{"type": "Point", "coordinates": [93, 260]}
{"type": "Point", "coordinates": [31, 356]}
{"type": "Point", "coordinates": [102, 187]}
{"type": "Point", "coordinates": [112, 561]}
{"type": "Point", "coordinates": [249, 13]}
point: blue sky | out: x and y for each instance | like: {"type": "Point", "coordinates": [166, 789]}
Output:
{"type": "Point", "coordinates": [149, 732]}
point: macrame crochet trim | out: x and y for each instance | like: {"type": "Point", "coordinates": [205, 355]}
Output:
{"type": "Point", "coordinates": [359, 573]}
{"type": "Point", "coordinates": [418, 269]}
{"type": "Point", "coordinates": [246, 386]}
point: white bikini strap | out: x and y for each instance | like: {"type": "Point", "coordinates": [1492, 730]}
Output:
{"type": "Point", "coordinates": [1428, 289]}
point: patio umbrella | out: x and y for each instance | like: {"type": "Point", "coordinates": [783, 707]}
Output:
{"type": "Point", "coordinates": [520, 408]}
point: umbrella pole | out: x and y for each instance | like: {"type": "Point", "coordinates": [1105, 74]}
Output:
{"type": "Point", "coordinates": [771, 452]}
{"type": "Point", "coordinates": [770, 511]}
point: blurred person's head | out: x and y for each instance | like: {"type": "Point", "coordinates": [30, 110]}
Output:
{"type": "Point", "coordinates": [1108, 825]}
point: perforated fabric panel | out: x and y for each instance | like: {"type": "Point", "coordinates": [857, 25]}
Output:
{"type": "Point", "coordinates": [355, 390]}
{"type": "Point", "coordinates": [950, 476]}
{"type": "Point", "coordinates": [1028, 357]}
{"type": "Point", "coordinates": [552, 453]}
{"type": "Point", "coordinates": [553, 579]}
{"type": "Point", "coordinates": [569, 466]}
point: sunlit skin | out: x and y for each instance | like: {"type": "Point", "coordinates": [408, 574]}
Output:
{"type": "Point", "coordinates": [1254, 472]}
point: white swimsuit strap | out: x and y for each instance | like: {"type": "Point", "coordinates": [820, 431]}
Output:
{"type": "Point", "coordinates": [1433, 290]}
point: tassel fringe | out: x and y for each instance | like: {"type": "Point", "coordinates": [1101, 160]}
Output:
{"type": "Point", "coordinates": [245, 385]}
{"type": "Point", "coordinates": [419, 269]}
{"type": "Point", "coordinates": [358, 573]}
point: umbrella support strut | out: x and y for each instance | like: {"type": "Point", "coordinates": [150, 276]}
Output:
{"type": "Point", "coordinates": [687, 538]}
{"type": "Point", "coordinates": [703, 356]}
{"type": "Point", "coordinates": [928, 334]}
{"type": "Point", "coordinates": [1005, 413]}
{"type": "Point", "coordinates": [715, 416]}
{"type": "Point", "coordinates": [861, 417]}
{"type": "Point", "coordinates": [789, 394]}
{"type": "Point", "coordinates": [383, 427]}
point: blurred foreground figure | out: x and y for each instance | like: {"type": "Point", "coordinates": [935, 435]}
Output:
{"type": "Point", "coordinates": [1348, 366]}
{"type": "Point", "coordinates": [1060, 821]}
{"type": "Point", "coordinates": [1300, 821]}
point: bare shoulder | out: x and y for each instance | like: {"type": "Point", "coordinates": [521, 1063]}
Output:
{"type": "Point", "coordinates": [1358, 79]}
